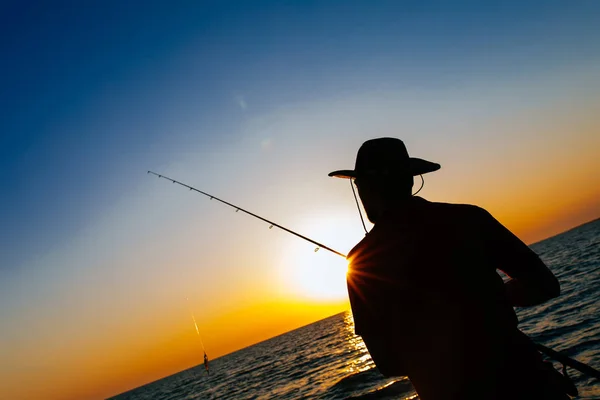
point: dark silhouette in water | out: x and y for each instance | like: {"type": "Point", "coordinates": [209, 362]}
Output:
{"type": "Point", "coordinates": [425, 294]}
{"type": "Point", "coordinates": [206, 363]}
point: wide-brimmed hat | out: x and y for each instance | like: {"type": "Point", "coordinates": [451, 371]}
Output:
{"type": "Point", "coordinates": [386, 157]}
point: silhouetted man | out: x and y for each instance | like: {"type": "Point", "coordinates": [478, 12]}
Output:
{"type": "Point", "coordinates": [425, 294]}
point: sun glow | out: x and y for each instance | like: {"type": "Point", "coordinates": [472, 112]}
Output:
{"type": "Point", "coordinates": [318, 275]}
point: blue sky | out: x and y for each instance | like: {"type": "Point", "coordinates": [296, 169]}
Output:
{"type": "Point", "coordinates": [89, 91]}
{"type": "Point", "coordinates": [257, 101]}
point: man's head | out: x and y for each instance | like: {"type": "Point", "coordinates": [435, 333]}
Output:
{"type": "Point", "coordinates": [384, 174]}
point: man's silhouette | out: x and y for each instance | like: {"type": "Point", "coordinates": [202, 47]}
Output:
{"type": "Point", "coordinates": [425, 294]}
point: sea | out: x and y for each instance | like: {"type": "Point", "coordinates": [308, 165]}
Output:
{"type": "Point", "coordinates": [325, 360]}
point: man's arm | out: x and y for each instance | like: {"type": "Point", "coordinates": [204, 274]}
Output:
{"type": "Point", "coordinates": [531, 282]}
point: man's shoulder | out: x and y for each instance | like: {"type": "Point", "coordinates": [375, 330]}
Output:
{"type": "Point", "coordinates": [455, 214]}
{"type": "Point", "coordinates": [365, 242]}
{"type": "Point", "coordinates": [454, 207]}
{"type": "Point", "coordinates": [425, 214]}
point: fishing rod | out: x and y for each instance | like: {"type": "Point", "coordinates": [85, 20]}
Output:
{"type": "Point", "coordinates": [272, 224]}
{"type": "Point", "coordinates": [565, 360]}
{"type": "Point", "coordinates": [568, 361]}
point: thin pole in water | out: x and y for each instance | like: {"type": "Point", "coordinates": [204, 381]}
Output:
{"type": "Point", "coordinates": [196, 325]}
{"type": "Point", "coordinates": [568, 361]}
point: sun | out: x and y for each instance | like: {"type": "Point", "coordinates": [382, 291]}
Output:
{"type": "Point", "coordinates": [320, 276]}
{"type": "Point", "coordinates": [316, 275]}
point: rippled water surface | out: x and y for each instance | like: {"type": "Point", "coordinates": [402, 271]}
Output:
{"type": "Point", "coordinates": [325, 360]}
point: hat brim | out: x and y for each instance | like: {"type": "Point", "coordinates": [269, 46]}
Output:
{"type": "Point", "coordinates": [418, 166]}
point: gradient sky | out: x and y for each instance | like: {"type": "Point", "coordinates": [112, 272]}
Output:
{"type": "Point", "coordinates": [255, 102]}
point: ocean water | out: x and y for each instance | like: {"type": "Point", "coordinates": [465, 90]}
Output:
{"type": "Point", "coordinates": [325, 360]}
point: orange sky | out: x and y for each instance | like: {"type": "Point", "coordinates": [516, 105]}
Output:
{"type": "Point", "coordinates": [157, 350]}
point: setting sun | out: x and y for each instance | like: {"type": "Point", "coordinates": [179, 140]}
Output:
{"type": "Point", "coordinates": [318, 274]}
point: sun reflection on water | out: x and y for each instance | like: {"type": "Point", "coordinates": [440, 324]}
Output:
{"type": "Point", "coordinates": [362, 361]}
